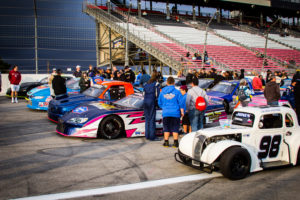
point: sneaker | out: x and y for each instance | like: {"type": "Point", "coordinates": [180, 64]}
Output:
{"type": "Point", "coordinates": [175, 145]}
{"type": "Point", "coordinates": [166, 144]}
{"type": "Point", "coordinates": [16, 100]}
{"type": "Point", "coordinates": [12, 101]}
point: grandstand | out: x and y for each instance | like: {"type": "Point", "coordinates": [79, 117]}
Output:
{"type": "Point", "coordinates": [168, 35]}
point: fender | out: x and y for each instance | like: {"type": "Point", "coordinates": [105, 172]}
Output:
{"type": "Point", "coordinates": [214, 150]}
{"type": "Point", "coordinates": [294, 144]}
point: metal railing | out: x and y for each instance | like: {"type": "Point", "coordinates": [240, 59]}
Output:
{"type": "Point", "coordinates": [136, 37]}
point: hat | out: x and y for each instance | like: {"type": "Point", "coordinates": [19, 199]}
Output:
{"type": "Point", "coordinates": [78, 66]}
{"type": "Point", "coordinates": [183, 87]}
{"type": "Point", "coordinates": [54, 69]}
{"type": "Point", "coordinates": [297, 70]}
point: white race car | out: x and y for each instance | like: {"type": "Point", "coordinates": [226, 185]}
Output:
{"type": "Point", "coordinates": [258, 138]}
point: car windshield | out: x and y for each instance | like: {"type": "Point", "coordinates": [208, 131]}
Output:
{"type": "Point", "coordinates": [73, 84]}
{"type": "Point", "coordinates": [44, 80]}
{"type": "Point", "coordinates": [224, 87]}
{"type": "Point", "coordinates": [95, 91]}
{"type": "Point", "coordinates": [131, 101]}
{"type": "Point", "coordinates": [285, 82]}
{"type": "Point", "coordinates": [205, 83]}
{"type": "Point", "coordinates": [243, 119]}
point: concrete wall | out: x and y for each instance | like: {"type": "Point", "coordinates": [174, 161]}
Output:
{"type": "Point", "coordinates": [25, 78]}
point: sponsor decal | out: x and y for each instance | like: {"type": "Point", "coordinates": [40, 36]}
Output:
{"type": "Point", "coordinates": [48, 99]}
{"type": "Point", "coordinates": [43, 104]}
{"type": "Point", "coordinates": [169, 96]}
{"type": "Point", "coordinates": [80, 109]}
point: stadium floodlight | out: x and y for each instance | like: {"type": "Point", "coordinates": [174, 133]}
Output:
{"type": "Point", "coordinates": [205, 38]}
{"type": "Point", "coordinates": [266, 43]}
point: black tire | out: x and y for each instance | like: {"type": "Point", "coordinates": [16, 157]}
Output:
{"type": "Point", "coordinates": [111, 127]}
{"type": "Point", "coordinates": [298, 158]}
{"type": "Point", "coordinates": [235, 163]}
{"type": "Point", "coordinates": [226, 106]}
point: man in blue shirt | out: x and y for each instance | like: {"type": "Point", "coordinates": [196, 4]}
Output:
{"type": "Point", "coordinates": [172, 109]}
{"type": "Point", "coordinates": [97, 78]}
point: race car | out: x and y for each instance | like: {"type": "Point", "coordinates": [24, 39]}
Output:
{"type": "Point", "coordinates": [259, 100]}
{"type": "Point", "coordinates": [106, 91]}
{"type": "Point", "coordinates": [257, 138]}
{"type": "Point", "coordinates": [38, 98]}
{"type": "Point", "coordinates": [27, 86]}
{"type": "Point", "coordinates": [124, 117]}
{"type": "Point", "coordinates": [227, 89]}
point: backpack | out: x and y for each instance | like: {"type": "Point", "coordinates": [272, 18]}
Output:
{"type": "Point", "coordinates": [200, 103]}
{"type": "Point", "coordinates": [241, 94]}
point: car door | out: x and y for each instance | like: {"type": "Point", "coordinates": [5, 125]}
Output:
{"type": "Point", "coordinates": [269, 139]}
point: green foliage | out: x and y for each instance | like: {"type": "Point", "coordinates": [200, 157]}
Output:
{"type": "Point", "coordinates": [4, 67]}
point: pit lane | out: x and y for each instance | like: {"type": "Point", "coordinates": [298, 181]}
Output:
{"type": "Point", "coordinates": [37, 161]}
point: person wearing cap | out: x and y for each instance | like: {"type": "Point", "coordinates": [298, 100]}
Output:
{"type": "Point", "coordinates": [59, 85]}
{"type": "Point", "coordinates": [151, 93]}
{"type": "Point", "coordinates": [272, 92]}
{"type": "Point", "coordinates": [296, 85]}
{"type": "Point", "coordinates": [185, 119]}
{"type": "Point", "coordinates": [78, 72]}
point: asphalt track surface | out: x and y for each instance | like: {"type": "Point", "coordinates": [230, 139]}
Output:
{"type": "Point", "coordinates": [36, 161]}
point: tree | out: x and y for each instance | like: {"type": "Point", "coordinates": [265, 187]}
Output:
{"type": "Point", "coordinates": [4, 67]}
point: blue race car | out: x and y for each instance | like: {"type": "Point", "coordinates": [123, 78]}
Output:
{"type": "Point", "coordinates": [122, 117]}
{"type": "Point", "coordinates": [38, 98]}
{"type": "Point", "coordinates": [107, 91]}
{"type": "Point", "coordinates": [227, 89]}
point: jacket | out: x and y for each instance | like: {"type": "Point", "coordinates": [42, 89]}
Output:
{"type": "Point", "coordinates": [192, 95]}
{"type": "Point", "coordinates": [151, 92]}
{"type": "Point", "coordinates": [256, 83]}
{"type": "Point", "coordinates": [272, 92]}
{"type": "Point", "coordinates": [83, 83]}
{"type": "Point", "coordinates": [14, 77]}
{"type": "Point", "coordinates": [59, 85]}
{"type": "Point", "coordinates": [130, 76]}
{"type": "Point", "coordinates": [170, 101]}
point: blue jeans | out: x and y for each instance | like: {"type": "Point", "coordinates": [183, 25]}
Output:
{"type": "Point", "coordinates": [273, 103]}
{"type": "Point", "coordinates": [150, 114]}
{"type": "Point", "coordinates": [196, 119]}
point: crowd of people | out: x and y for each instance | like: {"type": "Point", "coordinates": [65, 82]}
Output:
{"type": "Point", "coordinates": [175, 104]}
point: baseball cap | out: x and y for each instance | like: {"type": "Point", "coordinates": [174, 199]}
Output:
{"type": "Point", "coordinates": [183, 87]}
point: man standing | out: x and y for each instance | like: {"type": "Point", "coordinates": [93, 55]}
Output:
{"type": "Point", "coordinates": [272, 92]}
{"type": "Point", "coordinates": [296, 85]}
{"type": "Point", "coordinates": [14, 77]}
{"type": "Point", "coordinates": [151, 93]}
{"type": "Point", "coordinates": [172, 109]}
{"type": "Point", "coordinates": [144, 78]}
{"type": "Point", "coordinates": [78, 72]}
{"type": "Point", "coordinates": [129, 75]}
{"type": "Point", "coordinates": [91, 71]}
{"type": "Point", "coordinates": [256, 82]}
{"type": "Point", "coordinates": [196, 116]}
{"type": "Point", "coordinates": [59, 85]}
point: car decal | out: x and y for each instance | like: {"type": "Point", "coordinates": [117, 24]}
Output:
{"type": "Point", "coordinates": [81, 109]}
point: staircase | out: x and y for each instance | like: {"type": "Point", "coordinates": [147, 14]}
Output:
{"type": "Point", "coordinates": [138, 38]}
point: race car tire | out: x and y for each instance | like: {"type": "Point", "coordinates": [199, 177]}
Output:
{"type": "Point", "coordinates": [298, 158]}
{"type": "Point", "coordinates": [235, 163]}
{"type": "Point", "coordinates": [226, 107]}
{"type": "Point", "coordinates": [111, 127]}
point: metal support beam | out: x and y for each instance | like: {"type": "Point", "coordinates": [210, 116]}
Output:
{"type": "Point", "coordinates": [168, 10]}
{"type": "Point", "coordinates": [97, 42]}
{"type": "Point", "coordinates": [241, 17]}
{"type": "Point", "coordinates": [149, 63]}
{"type": "Point", "coordinates": [151, 5]}
{"type": "Point", "coordinates": [199, 11]}
{"type": "Point", "coordinates": [127, 42]}
{"type": "Point", "coordinates": [35, 39]}
{"type": "Point", "coordinates": [110, 53]}
{"type": "Point", "coordinates": [219, 16]}
{"type": "Point", "coordinates": [194, 13]}
{"type": "Point", "coordinates": [261, 19]}
{"type": "Point", "coordinates": [139, 8]}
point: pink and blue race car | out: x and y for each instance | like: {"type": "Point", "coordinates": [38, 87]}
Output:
{"type": "Point", "coordinates": [124, 117]}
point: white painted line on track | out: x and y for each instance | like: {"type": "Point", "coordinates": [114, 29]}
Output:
{"type": "Point", "coordinates": [123, 188]}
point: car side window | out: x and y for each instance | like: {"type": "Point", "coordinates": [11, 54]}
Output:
{"type": "Point", "coordinates": [270, 121]}
{"type": "Point", "coordinates": [289, 120]}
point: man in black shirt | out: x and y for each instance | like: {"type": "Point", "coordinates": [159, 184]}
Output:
{"type": "Point", "coordinates": [59, 85]}
{"type": "Point", "coordinates": [78, 72]}
{"type": "Point", "coordinates": [129, 75]}
{"type": "Point", "coordinates": [296, 85]}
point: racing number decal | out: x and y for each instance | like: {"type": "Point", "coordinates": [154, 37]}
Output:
{"type": "Point", "coordinates": [265, 144]}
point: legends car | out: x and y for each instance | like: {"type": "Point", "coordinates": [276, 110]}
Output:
{"type": "Point", "coordinates": [226, 90]}
{"type": "Point", "coordinates": [257, 138]}
{"type": "Point", "coordinates": [107, 91]}
{"type": "Point", "coordinates": [123, 117]}
{"type": "Point", "coordinates": [38, 98]}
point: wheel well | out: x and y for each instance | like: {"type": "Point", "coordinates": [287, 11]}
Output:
{"type": "Point", "coordinates": [218, 159]}
{"type": "Point", "coordinates": [112, 115]}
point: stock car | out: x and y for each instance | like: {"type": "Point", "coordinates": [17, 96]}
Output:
{"type": "Point", "coordinates": [38, 98]}
{"type": "Point", "coordinates": [204, 83]}
{"type": "Point", "coordinates": [106, 91]}
{"type": "Point", "coordinates": [124, 117]}
{"type": "Point", "coordinates": [258, 138]}
{"type": "Point", "coordinates": [227, 89]}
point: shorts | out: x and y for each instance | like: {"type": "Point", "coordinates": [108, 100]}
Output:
{"type": "Point", "coordinates": [186, 120]}
{"type": "Point", "coordinates": [171, 124]}
{"type": "Point", "coordinates": [14, 88]}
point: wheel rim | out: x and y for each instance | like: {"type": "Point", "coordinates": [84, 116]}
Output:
{"type": "Point", "coordinates": [112, 128]}
{"type": "Point", "coordinates": [239, 165]}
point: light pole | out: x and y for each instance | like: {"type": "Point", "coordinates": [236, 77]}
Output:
{"type": "Point", "coordinates": [205, 38]}
{"type": "Point", "coordinates": [266, 44]}
{"type": "Point", "coordinates": [127, 33]}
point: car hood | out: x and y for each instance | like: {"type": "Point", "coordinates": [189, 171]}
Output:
{"type": "Point", "coordinates": [38, 89]}
{"type": "Point", "coordinates": [217, 131]}
{"type": "Point", "coordinates": [216, 94]}
{"type": "Point", "coordinates": [74, 100]}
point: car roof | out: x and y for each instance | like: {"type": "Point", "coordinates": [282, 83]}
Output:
{"type": "Point", "coordinates": [264, 109]}
{"type": "Point", "coordinates": [114, 83]}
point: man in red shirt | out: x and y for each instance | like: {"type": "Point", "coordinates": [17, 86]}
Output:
{"type": "Point", "coordinates": [256, 82]}
{"type": "Point", "coordinates": [14, 77]}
